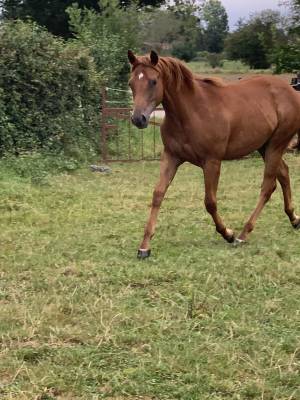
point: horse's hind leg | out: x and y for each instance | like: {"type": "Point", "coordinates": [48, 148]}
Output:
{"type": "Point", "coordinates": [168, 168]}
{"type": "Point", "coordinates": [284, 180]}
{"type": "Point", "coordinates": [211, 172]}
{"type": "Point", "coordinates": [272, 162]}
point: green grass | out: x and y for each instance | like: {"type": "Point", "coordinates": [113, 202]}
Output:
{"type": "Point", "coordinates": [82, 318]}
{"type": "Point", "coordinates": [232, 70]}
{"type": "Point", "coordinates": [229, 67]}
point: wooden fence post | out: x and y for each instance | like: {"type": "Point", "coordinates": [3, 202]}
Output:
{"type": "Point", "coordinates": [103, 149]}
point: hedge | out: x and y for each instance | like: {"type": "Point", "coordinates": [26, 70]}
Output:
{"type": "Point", "coordinates": [49, 92]}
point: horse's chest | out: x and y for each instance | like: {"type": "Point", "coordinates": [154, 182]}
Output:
{"type": "Point", "coordinates": [182, 148]}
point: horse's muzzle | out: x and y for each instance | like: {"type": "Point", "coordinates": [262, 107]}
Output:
{"type": "Point", "coordinates": [140, 121]}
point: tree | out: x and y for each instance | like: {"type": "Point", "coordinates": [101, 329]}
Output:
{"type": "Point", "coordinates": [143, 3]}
{"type": "Point", "coordinates": [10, 8]}
{"type": "Point", "coordinates": [173, 30]}
{"type": "Point", "coordinates": [52, 14]}
{"type": "Point", "coordinates": [108, 36]}
{"type": "Point", "coordinates": [294, 17]}
{"type": "Point", "coordinates": [159, 30]}
{"type": "Point", "coordinates": [185, 44]}
{"type": "Point", "coordinates": [216, 25]}
{"type": "Point", "coordinates": [255, 40]}
{"type": "Point", "coordinates": [287, 55]}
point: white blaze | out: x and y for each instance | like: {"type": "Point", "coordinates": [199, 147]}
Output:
{"type": "Point", "coordinates": [141, 75]}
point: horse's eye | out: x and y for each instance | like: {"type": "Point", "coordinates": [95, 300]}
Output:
{"type": "Point", "coordinates": [153, 82]}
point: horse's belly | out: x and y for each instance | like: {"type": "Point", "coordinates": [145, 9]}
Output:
{"type": "Point", "coordinates": [250, 133]}
{"type": "Point", "coordinates": [243, 145]}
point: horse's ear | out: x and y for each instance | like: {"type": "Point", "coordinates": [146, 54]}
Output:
{"type": "Point", "coordinates": [131, 57]}
{"type": "Point", "coordinates": [153, 58]}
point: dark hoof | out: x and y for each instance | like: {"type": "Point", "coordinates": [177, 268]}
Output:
{"type": "Point", "coordinates": [142, 254]}
{"type": "Point", "coordinates": [296, 225]}
{"type": "Point", "coordinates": [238, 242]}
{"type": "Point", "coordinates": [231, 239]}
{"type": "Point", "coordinates": [229, 236]}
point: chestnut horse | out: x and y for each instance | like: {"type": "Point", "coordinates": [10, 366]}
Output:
{"type": "Point", "coordinates": [207, 121]}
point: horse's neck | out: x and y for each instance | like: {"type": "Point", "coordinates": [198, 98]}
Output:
{"type": "Point", "coordinates": [177, 104]}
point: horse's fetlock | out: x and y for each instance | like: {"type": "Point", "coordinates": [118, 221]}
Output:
{"type": "Point", "coordinates": [221, 230]}
{"type": "Point", "coordinates": [249, 227]}
{"type": "Point", "coordinates": [147, 234]}
{"type": "Point", "coordinates": [289, 212]}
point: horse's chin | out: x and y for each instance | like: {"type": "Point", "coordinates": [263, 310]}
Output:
{"type": "Point", "coordinates": [143, 127]}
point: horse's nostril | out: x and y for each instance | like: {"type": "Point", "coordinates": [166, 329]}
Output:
{"type": "Point", "coordinates": [140, 121]}
{"type": "Point", "coordinates": [143, 119]}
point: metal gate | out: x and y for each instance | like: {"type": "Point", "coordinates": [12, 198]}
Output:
{"type": "Point", "coordinates": [120, 140]}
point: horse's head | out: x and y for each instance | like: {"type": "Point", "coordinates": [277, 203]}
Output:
{"type": "Point", "coordinates": [146, 85]}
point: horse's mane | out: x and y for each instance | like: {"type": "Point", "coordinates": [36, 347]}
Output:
{"type": "Point", "coordinates": [175, 70]}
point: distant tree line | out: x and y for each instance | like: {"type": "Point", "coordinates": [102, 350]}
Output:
{"type": "Point", "coordinates": [183, 28]}
{"type": "Point", "coordinates": [53, 14]}
{"type": "Point", "coordinates": [268, 38]}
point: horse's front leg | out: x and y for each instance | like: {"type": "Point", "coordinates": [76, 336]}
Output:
{"type": "Point", "coordinates": [211, 170]}
{"type": "Point", "coordinates": [168, 168]}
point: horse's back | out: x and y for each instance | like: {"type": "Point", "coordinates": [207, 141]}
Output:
{"type": "Point", "coordinates": [262, 108]}
{"type": "Point", "coordinates": [268, 84]}
{"type": "Point", "coordinates": [269, 92]}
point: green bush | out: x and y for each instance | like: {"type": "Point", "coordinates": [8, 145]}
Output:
{"type": "Point", "coordinates": [287, 58]}
{"type": "Point", "coordinates": [255, 40]}
{"type": "Point", "coordinates": [49, 92]}
{"type": "Point", "coordinates": [215, 59]}
{"type": "Point", "coordinates": [108, 36]}
{"type": "Point", "coordinates": [184, 51]}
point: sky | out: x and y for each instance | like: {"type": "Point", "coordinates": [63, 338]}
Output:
{"type": "Point", "coordinates": [242, 8]}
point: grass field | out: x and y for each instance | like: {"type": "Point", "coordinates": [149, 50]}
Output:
{"type": "Point", "coordinates": [232, 70]}
{"type": "Point", "coordinates": [82, 318]}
